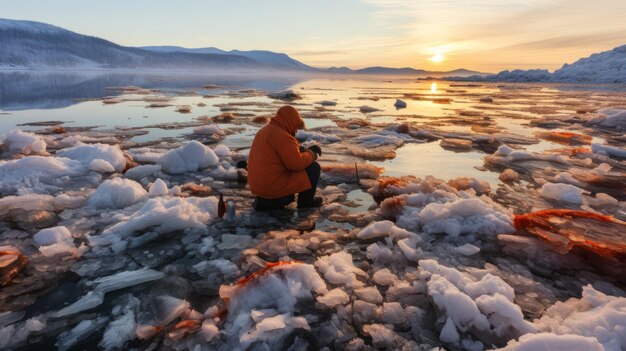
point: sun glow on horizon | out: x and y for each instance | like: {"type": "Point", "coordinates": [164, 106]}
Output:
{"type": "Point", "coordinates": [438, 57]}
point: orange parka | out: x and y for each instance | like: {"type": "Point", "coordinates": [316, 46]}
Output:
{"type": "Point", "coordinates": [276, 167]}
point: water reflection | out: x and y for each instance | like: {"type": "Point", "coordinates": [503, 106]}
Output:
{"type": "Point", "coordinates": [433, 88]}
{"type": "Point", "coordinates": [20, 90]}
{"type": "Point", "coordinates": [430, 159]}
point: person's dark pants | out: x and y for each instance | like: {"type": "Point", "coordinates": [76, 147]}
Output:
{"type": "Point", "coordinates": [313, 171]}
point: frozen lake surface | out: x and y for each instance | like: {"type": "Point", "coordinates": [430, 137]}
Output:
{"type": "Point", "coordinates": [457, 215]}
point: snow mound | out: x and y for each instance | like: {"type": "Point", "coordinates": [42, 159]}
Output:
{"type": "Point", "coordinates": [190, 157]}
{"type": "Point", "coordinates": [256, 315]}
{"type": "Point", "coordinates": [160, 215]}
{"type": "Point", "coordinates": [333, 298]}
{"type": "Point", "coordinates": [117, 193]}
{"type": "Point", "coordinates": [57, 241]}
{"type": "Point", "coordinates": [37, 174]}
{"type": "Point", "coordinates": [550, 342]}
{"type": "Point", "coordinates": [50, 236]}
{"type": "Point", "coordinates": [102, 166]}
{"type": "Point", "coordinates": [464, 216]}
{"type": "Point", "coordinates": [222, 150]}
{"type": "Point", "coordinates": [142, 171]}
{"type": "Point", "coordinates": [473, 309]}
{"type": "Point", "coordinates": [562, 192]}
{"type": "Point", "coordinates": [595, 315]}
{"type": "Point", "coordinates": [86, 153]}
{"type": "Point", "coordinates": [158, 188]}
{"type": "Point", "coordinates": [339, 269]}
{"type": "Point", "coordinates": [383, 229]}
{"type": "Point", "coordinates": [23, 142]}
{"type": "Point", "coordinates": [431, 206]}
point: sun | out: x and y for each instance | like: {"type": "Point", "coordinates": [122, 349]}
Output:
{"type": "Point", "coordinates": [438, 57]}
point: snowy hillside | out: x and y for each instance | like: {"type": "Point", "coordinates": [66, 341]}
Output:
{"type": "Point", "coordinates": [270, 58]}
{"type": "Point", "coordinates": [26, 44]}
{"type": "Point", "coordinates": [604, 67]}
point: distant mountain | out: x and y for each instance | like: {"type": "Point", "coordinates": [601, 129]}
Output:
{"type": "Point", "coordinates": [26, 44]}
{"type": "Point", "coordinates": [269, 58]}
{"type": "Point", "coordinates": [407, 71]}
{"type": "Point", "coordinates": [605, 67]}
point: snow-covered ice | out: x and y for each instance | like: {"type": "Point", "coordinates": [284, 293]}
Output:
{"type": "Point", "coordinates": [190, 157]}
{"type": "Point", "coordinates": [117, 193]}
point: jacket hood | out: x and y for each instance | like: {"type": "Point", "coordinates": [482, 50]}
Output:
{"type": "Point", "coordinates": [289, 119]}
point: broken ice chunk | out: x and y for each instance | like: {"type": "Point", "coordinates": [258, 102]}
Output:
{"type": "Point", "coordinates": [158, 188]}
{"type": "Point", "coordinates": [449, 333]}
{"type": "Point", "coordinates": [467, 249]}
{"type": "Point", "coordinates": [393, 313]}
{"type": "Point", "coordinates": [117, 193]}
{"type": "Point", "coordinates": [369, 294]}
{"type": "Point", "coordinates": [562, 192]}
{"type": "Point", "coordinates": [86, 153]}
{"type": "Point", "coordinates": [167, 308]}
{"type": "Point", "coordinates": [384, 277]}
{"type": "Point", "coordinates": [550, 341]}
{"type": "Point", "coordinates": [104, 285]}
{"type": "Point", "coordinates": [209, 330]}
{"type": "Point", "coordinates": [608, 150]}
{"type": "Point", "coordinates": [209, 129]}
{"type": "Point", "coordinates": [383, 229]}
{"type": "Point", "coordinates": [37, 174]}
{"type": "Point", "coordinates": [333, 298]}
{"type": "Point", "coordinates": [119, 332]}
{"type": "Point", "coordinates": [142, 171]}
{"type": "Point", "coordinates": [100, 165]}
{"type": "Point", "coordinates": [339, 269]}
{"type": "Point", "coordinates": [232, 241]}
{"type": "Point", "coordinates": [12, 262]}
{"type": "Point", "coordinates": [190, 157]}
{"type": "Point", "coordinates": [222, 150]}
{"type": "Point", "coordinates": [51, 236]}
{"type": "Point", "coordinates": [79, 332]}
{"type": "Point", "coordinates": [57, 241]}
{"type": "Point", "coordinates": [23, 142]}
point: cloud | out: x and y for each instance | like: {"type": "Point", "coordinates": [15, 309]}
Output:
{"type": "Point", "coordinates": [502, 34]}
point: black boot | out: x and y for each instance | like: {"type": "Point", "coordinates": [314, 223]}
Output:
{"type": "Point", "coordinates": [262, 204]}
{"type": "Point", "coordinates": [310, 203]}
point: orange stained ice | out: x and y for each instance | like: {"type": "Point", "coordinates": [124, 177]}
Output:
{"type": "Point", "coordinates": [568, 228]}
{"type": "Point", "coordinates": [565, 138]}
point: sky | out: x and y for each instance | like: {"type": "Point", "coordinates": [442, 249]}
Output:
{"type": "Point", "coordinates": [483, 35]}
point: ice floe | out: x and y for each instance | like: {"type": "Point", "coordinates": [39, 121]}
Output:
{"type": "Point", "coordinates": [87, 153]}
{"type": "Point", "coordinates": [190, 157]}
{"type": "Point", "coordinates": [23, 142]}
{"type": "Point", "coordinates": [117, 193]}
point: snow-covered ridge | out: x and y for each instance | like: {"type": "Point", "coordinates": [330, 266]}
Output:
{"type": "Point", "coordinates": [28, 44]}
{"type": "Point", "coordinates": [604, 67]}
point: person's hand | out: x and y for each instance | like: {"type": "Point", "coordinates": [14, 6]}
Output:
{"type": "Point", "coordinates": [302, 149]}
{"type": "Point", "coordinates": [316, 150]}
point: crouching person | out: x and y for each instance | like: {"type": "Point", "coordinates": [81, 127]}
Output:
{"type": "Point", "coordinates": [279, 168]}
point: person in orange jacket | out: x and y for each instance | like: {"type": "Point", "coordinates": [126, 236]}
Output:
{"type": "Point", "coordinates": [279, 168]}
